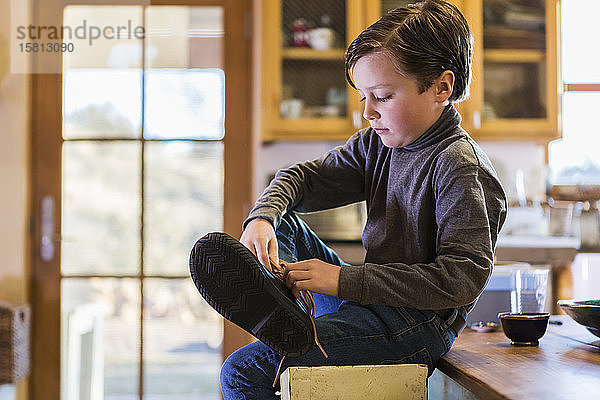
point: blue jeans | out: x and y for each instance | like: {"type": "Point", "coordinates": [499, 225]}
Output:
{"type": "Point", "coordinates": [350, 333]}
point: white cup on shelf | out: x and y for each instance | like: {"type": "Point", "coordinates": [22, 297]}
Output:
{"type": "Point", "coordinates": [291, 108]}
{"type": "Point", "coordinates": [321, 38]}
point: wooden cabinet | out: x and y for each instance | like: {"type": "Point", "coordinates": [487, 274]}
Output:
{"type": "Point", "coordinates": [515, 89]}
{"type": "Point", "coordinates": [303, 94]}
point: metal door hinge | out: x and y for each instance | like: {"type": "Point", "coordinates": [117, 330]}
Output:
{"type": "Point", "coordinates": [47, 229]}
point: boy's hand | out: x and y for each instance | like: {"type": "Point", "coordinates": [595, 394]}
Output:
{"type": "Point", "coordinates": [259, 237]}
{"type": "Point", "coordinates": [314, 275]}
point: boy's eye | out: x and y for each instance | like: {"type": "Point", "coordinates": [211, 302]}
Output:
{"type": "Point", "coordinates": [380, 99]}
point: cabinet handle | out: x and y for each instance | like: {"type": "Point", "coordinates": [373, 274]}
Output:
{"type": "Point", "coordinates": [476, 119]}
{"type": "Point", "coordinates": [47, 229]}
{"type": "Point", "coordinates": [357, 120]}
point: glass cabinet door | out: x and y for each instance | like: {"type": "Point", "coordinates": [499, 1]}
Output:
{"type": "Point", "coordinates": [514, 93]}
{"type": "Point", "coordinates": [374, 9]}
{"type": "Point", "coordinates": [388, 5]}
{"type": "Point", "coordinates": [514, 59]}
{"type": "Point", "coordinates": [305, 94]}
{"type": "Point", "coordinates": [312, 63]}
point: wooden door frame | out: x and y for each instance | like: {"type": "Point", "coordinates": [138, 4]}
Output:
{"type": "Point", "coordinates": [46, 142]}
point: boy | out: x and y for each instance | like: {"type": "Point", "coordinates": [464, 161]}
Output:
{"type": "Point", "coordinates": [435, 207]}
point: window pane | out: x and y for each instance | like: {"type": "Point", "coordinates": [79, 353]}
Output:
{"type": "Point", "coordinates": [103, 36]}
{"type": "Point", "coordinates": [184, 201]}
{"type": "Point", "coordinates": [100, 339]}
{"type": "Point", "coordinates": [575, 158]}
{"type": "Point", "coordinates": [102, 103]}
{"type": "Point", "coordinates": [185, 104]}
{"type": "Point", "coordinates": [580, 55]}
{"type": "Point", "coordinates": [182, 342]}
{"type": "Point", "coordinates": [101, 208]}
{"type": "Point", "coordinates": [184, 37]}
{"type": "Point", "coordinates": [185, 83]}
{"type": "Point", "coordinates": [102, 77]}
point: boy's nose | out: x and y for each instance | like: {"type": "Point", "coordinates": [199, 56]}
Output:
{"type": "Point", "coordinates": [369, 113]}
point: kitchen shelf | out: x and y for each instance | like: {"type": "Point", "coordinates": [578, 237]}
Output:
{"type": "Point", "coordinates": [313, 128]}
{"type": "Point", "coordinates": [514, 56]}
{"type": "Point", "coordinates": [311, 54]}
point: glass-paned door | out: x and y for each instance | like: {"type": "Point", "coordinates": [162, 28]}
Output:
{"type": "Point", "coordinates": [143, 120]}
{"type": "Point", "coordinates": [142, 176]}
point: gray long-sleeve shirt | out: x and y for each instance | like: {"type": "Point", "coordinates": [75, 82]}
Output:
{"type": "Point", "coordinates": [435, 208]}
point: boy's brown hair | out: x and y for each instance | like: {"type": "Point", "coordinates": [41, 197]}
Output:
{"type": "Point", "coordinates": [422, 40]}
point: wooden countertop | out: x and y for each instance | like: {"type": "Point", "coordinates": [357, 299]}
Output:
{"type": "Point", "coordinates": [566, 365]}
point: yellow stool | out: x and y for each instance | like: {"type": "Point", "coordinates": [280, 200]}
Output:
{"type": "Point", "coordinates": [359, 382]}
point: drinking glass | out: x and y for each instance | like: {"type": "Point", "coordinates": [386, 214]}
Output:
{"type": "Point", "coordinates": [528, 290]}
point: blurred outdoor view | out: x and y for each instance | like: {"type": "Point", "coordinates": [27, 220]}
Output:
{"type": "Point", "coordinates": [142, 180]}
{"type": "Point", "coordinates": [574, 159]}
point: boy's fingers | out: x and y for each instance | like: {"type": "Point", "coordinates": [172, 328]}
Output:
{"type": "Point", "coordinates": [299, 266]}
{"type": "Point", "coordinates": [262, 254]}
{"type": "Point", "coordinates": [299, 286]}
{"type": "Point", "coordinates": [273, 251]}
{"type": "Point", "coordinates": [295, 277]}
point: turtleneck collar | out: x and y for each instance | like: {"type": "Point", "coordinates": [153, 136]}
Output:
{"type": "Point", "coordinates": [441, 129]}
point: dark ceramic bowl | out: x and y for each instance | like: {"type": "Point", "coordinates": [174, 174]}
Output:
{"type": "Point", "coordinates": [524, 329]}
{"type": "Point", "coordinates": [585, 312]}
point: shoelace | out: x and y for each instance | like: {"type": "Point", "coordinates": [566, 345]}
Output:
{"type": "Point", "coordinates": [307, 300]}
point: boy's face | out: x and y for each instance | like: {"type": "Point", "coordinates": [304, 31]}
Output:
{"type": "Point", "coordinates": [393, 105]}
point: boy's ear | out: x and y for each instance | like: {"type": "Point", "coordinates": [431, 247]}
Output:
{"type": "Point", "coordinates": [444, 84]}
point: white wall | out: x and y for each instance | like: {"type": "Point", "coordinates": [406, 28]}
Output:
{"type": "Point", "coordinates": [14, 180]}
{"type": "Point", "coordinates": [507, 158]}
{"type": "Point", "coordinates": [274, 156]}
{"type": "Point", "coordinates": [14, 117]}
